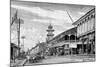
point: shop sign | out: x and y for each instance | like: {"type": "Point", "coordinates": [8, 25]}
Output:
{"type": "Point", "coordinates": [73, 45]}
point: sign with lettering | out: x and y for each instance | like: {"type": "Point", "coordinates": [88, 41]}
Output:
{"type": "Point", "coordinates": [73, 45]}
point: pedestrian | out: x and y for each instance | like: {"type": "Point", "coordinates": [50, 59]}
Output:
{"type": "Point", "coordinates": [28, 57]}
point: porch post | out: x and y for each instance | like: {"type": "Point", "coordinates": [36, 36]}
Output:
{"type": "Point", "coordinates": [82, 46]}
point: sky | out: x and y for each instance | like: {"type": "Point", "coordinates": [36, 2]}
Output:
{"type": "Point", "coordinates": [38, 16]}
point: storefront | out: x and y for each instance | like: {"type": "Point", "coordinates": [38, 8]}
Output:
{"type": "Point", "coordinates": [14, 51]}
{"type": "Point", "coordinates": [86, 32]}
{"type": "Point", "coordinates": [88, 44]}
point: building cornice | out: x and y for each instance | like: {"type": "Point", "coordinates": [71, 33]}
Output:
{"type": "Point", "coordinates": [84, 16]}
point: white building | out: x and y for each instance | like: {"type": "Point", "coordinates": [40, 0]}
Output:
{"type": "Point", "coordinates": [86, 31]}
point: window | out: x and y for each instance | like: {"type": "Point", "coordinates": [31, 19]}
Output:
{"type": "Point", "coordinates": [92, 16]}
{"type": "Point", "coordinates": [72, 37]}
{"type": "Point", "coordinates": [66, 37]}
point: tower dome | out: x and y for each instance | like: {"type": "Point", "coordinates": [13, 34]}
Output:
{"type": "Point", "coordinates": [50, 26]}
{"type": "Point", "coordinates": [50, 31]}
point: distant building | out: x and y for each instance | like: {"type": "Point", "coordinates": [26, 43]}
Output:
{"type": "Point", "coordinates": [14, 51]}
{"type": "Point", "coordinates": [50, 31]}
{"type": "Point", "coordinates": [38, 49]}
{"type": "Point", "coordinates": [33, 51]}
{"type": "Point", "coordinates": [86, 32]}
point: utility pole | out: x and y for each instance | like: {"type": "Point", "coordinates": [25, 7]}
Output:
{"type": "Point", "coordinates": [20, 21]}
{"type": "Point", "coordinates": [70, 17]}
{"type": "Point", "coordinates": [17, 21]}
{"type": "Point", "coordinates": [69, 34]}
{"type": "Point", "coordinates": [18, 32]}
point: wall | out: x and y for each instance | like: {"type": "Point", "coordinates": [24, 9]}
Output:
{"type": "Point", "coordinates": [86, 25]}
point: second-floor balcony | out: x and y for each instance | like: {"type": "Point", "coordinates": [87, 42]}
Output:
{"type": "Point", "coordinates": [66, 41]}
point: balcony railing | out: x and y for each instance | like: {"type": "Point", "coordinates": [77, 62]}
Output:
{"type": "Point", "coordinates": [66, 41]}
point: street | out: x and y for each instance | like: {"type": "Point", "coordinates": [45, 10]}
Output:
{"type": "Point", "coordinates": [47, 33]}
{"type": "Point", "coordinates": [18, 63]}
{"type": "Point", "coordinates": [63, 59]}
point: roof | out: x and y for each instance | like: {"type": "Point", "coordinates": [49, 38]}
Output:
{"type": "Point", "coordinates": [38, 45]}
{"type": "Point", "coordinates": [72, 30]}
{"type": "Point", "coordinates": [50, 26]}
{"type": "Point", "coordinates": [14, 45]}
{"type": "Point", "coordinates": [33, 48]}
{"type": "Point", "coordinates": [84, 16]}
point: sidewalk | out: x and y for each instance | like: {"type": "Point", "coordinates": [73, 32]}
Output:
{"type": "Point", "coordinates": [18, 63]}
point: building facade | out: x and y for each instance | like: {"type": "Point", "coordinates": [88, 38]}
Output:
{"type": "Point", "coordinates": [39, 49]}
{"type": "Point", "coordinates": [14, 51]}
{"type": "Point", "coordinates": [65, 43]}
{"type": "Point", "coordinates": [50, 31]}
{"type": "Point", "coordinates": [86, 32]}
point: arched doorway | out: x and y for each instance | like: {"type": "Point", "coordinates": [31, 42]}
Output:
{"type": "Point", "coordinates": [72, 37]}
{"type": "Point", "coordinates": [66, 37]}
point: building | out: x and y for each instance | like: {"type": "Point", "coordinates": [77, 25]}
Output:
{"type": "Point", "coordinates": [38, 49]}
{"type": "Point", "coordinates": [65, 43]}
{"type": "Point", "coordinates": [14, 51]}
{"type": "Point", "coordinates": [33, 50]}
{"type": "Point", "coordinates": [50, 31]}
{"type": "Point", "coordinates": [86, 32]}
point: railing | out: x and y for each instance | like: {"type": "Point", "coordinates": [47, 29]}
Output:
{"type": "Point", "coordinates": [67, 41]}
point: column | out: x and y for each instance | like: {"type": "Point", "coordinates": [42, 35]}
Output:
{"type": "Point", "coordinates": [91, 46]}
{"type": "Point", "coordinates": [14, 54]}
{"type": "Point", "coordinates": [83, 27]}
{"type": "Point", "coordinates": [87, 46]}
{"type": "Point", "coordinates": [77, 29]}
{"type": "Point", "coordinates": [92, 43]}
{"type": "Point", "coordinates": [86, 25]}
{"type": "Point", "coordinates": [82, 46]}
{"type": "Point", "coordinates": [70, 44]}
{"type": "Point", "coordinates": [76, 42]}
